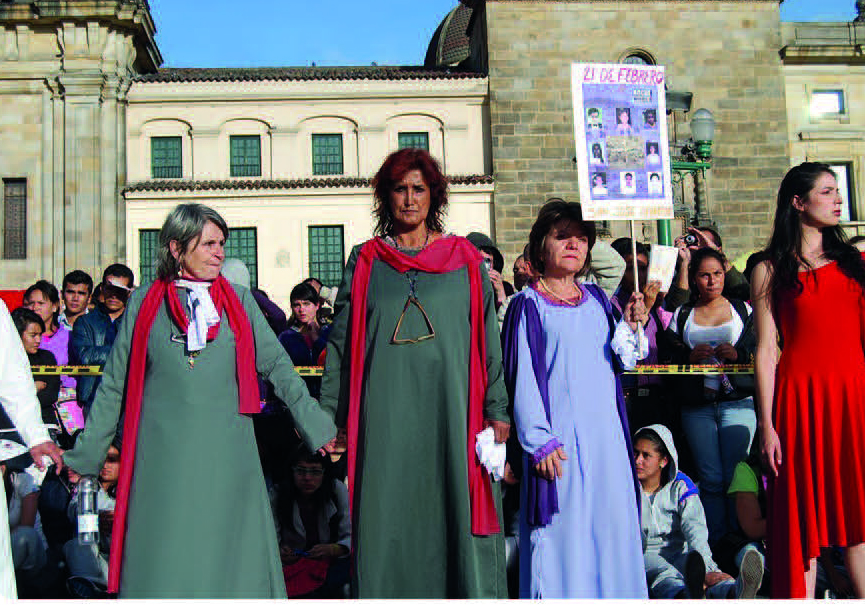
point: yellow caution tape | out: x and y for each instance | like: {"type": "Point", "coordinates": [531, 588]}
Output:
{"type": "Point", "coordinates": [745, 368]}
{"type": "Point", "coordinates": [97, 370]}
{"type": "Point", "coordinates": [309, 371]}
{"type": "Point", "coordinates": [67, 370]}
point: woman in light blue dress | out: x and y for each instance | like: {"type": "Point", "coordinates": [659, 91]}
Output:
{"type": "Point", "coordinates": [579, 526]}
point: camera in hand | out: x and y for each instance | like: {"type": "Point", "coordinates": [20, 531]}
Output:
{"type": "Point", "coordinates": [690, 240]}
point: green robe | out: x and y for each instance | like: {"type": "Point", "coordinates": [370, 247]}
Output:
{"type": "Point", "coordinates": [413, 515]}
{"type": "Point", "coordinates": [199, 523]}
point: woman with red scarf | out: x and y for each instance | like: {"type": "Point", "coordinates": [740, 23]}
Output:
{"type": "Point", "coordinates": [414, 373]}
{"type": "Point", "coordinates": [192, 517]}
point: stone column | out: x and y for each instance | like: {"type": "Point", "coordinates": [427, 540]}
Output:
{"type": "Point", "coordinates": [82, 169]}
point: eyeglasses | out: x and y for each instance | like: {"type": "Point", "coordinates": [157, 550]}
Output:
{"type": "Point", "coordinates": [112, 459]}
{"type": "Point", "coordinates": [309, 472]}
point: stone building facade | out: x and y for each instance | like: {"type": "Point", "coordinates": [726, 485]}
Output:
{"type": "Point", "coordinates": [295, 214]}
{"type": "Point", "coordinates": [735, 72]}
{"type": "Point", "coordinates": [824, 76]}
{"type": "Point", "coordinates": [65, 69]}
{"type": "Point", "coordinates": [83, 97]}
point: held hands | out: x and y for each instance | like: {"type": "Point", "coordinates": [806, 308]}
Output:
{"type": "Point", "coordinates": [551, 467]}
{"type": "Point", "coordinates": [700, 354]}
{"type": "Point", "coordinates": [770, 447]}
{"type": "Point", "coordinates": [336, 446]}
{"type": "Point", "coordinates": [726, 352]}
{"type": "Point", "coordinates": [635, 312]}
{"type": "Point", "coordinates": [72, 476]}
{"type": "Point", "coordinates": [47, 449]}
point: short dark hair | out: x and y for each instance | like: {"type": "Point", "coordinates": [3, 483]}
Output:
{"type": "Point", "coordinates": [76, 278]}
{"type": "Point", "coordinates": [624, 248]}
{"type": "Point", "coordinates": [555, 211]}
{"type": "Point", "coordinates": [303, 291]}
{"type": "Point", "coordinates": [395, 167]}
{"type": "Point", "coordinates": [119, 270]}
{"type": "Point", "coordinates": [22, 318]}
{"type": "Point", "coordinates": [716, 237]}
{"type": "Point", "coordinates": [46, 288]}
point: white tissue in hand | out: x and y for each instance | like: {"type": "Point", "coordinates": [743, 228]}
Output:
{"type": "Point", "coordinates": [491, 454]}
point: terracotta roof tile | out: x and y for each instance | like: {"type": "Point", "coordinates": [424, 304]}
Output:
{"type": "Point", "coordinates": [251, 74]}
{"type": "Point", "coordinates": [318, 183]}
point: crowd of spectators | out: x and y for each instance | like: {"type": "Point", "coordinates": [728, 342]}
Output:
{"type": "Point", "coordinates": [703, 511]}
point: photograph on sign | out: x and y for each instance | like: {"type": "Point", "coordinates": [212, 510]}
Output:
{"type": "Point", "coordinates": [620, 128]}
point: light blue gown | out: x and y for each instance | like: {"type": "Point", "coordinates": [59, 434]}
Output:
{"type": "Point", "coordinates": [592, 548]}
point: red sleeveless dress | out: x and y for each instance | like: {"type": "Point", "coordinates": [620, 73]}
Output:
{"type": "Point", "coordinates": [818, 498]}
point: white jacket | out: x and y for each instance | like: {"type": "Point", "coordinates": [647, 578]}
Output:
{"type": "Point", "coordinates": [18, 398]}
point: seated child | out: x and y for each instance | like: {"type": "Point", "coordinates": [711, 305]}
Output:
{"type": "Point", "coordinates": [314, 528]}
{"type": "Point", "coordinates": [748, 493]}
{"type": "Point", "coordinates": [676, 550]}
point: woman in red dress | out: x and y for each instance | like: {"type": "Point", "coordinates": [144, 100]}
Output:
{"type": "Point", "coordinates": [811, 401]}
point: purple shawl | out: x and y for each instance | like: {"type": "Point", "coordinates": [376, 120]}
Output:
{"type": "Point", "coordinates": [543, 501]}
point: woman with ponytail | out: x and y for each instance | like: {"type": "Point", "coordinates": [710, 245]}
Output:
{"type": "Point", "coordinates": [810, 296]}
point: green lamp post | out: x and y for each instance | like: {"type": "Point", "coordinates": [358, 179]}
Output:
{"type": "Point", "coordinates": [696, 158]}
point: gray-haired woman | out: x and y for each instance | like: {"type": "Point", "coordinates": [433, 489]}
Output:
{"type": "Point", "coordinates": [192, 516]}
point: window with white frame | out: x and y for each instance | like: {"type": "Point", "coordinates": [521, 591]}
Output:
{"type": "Point", "coordinates": [827, 103]}
{"type": "Point", "coordinates": [844, 174]}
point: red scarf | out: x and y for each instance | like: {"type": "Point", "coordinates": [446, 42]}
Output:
{"type": "Point", "coordinates": [224, 299]}
{"type": "Point", "coordinates": [441, 256]}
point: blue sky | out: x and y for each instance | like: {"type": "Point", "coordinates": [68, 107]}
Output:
{"type": "Point", "coordinates": [226, 33]}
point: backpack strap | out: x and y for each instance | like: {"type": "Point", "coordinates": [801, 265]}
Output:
{"type": "Point", "coordinates": [741, 309]}
{"type": "Point", "coordinates": [684, 313]}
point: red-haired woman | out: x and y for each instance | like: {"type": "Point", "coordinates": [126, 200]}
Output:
{"type": "Point", "coordinates": [414, 372]}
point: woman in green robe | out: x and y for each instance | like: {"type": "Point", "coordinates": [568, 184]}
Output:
{"type": "Point", "coordinates": [197, 520]}
{"type": "Point", "coordinates": [413, 371]}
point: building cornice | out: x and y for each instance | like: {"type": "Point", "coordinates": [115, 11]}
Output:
{"type": "Point", "coordinates": [476, 89]}
{"type": "Point", "coordinates": [158, 185]}
{"type": "Point", "coordinates": [131, 15]}
{"type": "Point", "coordinates": [815, 43]}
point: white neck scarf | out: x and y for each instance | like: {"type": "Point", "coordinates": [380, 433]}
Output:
{"type": "Point", "coordinates": [201, 311]}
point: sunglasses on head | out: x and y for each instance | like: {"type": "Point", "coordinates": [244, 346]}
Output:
{"type": "Point", "coordinates": [110, 290]}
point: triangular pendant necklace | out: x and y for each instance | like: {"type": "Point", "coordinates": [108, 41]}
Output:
{"type": "Point", "coordinates": [411, 276]}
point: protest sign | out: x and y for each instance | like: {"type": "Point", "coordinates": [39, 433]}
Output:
{"type": "Point", "coordinates": [623, 155]}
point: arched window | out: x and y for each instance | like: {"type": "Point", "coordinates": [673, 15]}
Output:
{"type": "Point", "coordinates": [637, 56]}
